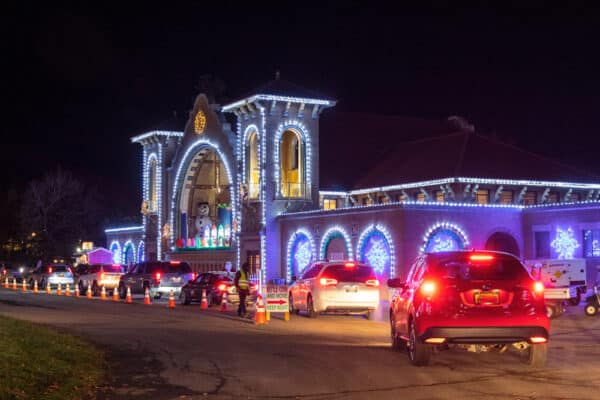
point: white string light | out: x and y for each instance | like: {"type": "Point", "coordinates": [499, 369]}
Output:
{"type": "Point", "coordinates": [374, 229]}
{"type": "Point", "coordinates": [335, 231]}
{"type": "Point", "coordinates": [293, 238]}
{"type": "Point", "coordinates": [441, 226]}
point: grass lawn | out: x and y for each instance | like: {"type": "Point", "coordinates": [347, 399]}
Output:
{"type": "Point", "coordinates": [39, 363]}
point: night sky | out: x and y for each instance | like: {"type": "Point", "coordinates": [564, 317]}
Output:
{"type": "Point", "coordinates": [78, 83]}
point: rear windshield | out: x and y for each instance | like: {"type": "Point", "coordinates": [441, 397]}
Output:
{"type": "Point", "coordinates": [168, 268]}
{"type": "Point", "coordinates": [109, 268]}
{"type": "Point", "coordinates": [496, 270]}
{"type": "Point", "coordinates": [57, 268]}
{"type": "Point", "coordinates": [358, 273]}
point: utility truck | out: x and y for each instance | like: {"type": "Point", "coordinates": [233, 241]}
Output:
{"type": "Point", "coordinates": [564, 282]}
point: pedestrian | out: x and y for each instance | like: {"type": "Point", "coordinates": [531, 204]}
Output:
{"type": "Point", "coordinates": [242, 283]}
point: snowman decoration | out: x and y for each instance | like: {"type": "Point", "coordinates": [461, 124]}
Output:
{"type": "Point", "coordinates": [203, 220]}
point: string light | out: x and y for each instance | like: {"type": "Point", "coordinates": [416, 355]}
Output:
{"type": "Point", "coordinates": [333, 232]}
{"type": "Point", "coordinates": [565, 243]}
{"type": "Point", "coordinates": [382, 231]}
{"type": "Point", "coordinates": [124, 229]}
{"type": "Point", "coordinates": [148, 135]}
{"type": "Point", "coordinates": [270, 97]}
{"type": "Point", "coordinates": [141, 250]}
{"type": "Point", "coordinates": [444, 226]}
{"type": "Point", "coordinates": [298, 235]}
{"type": "Point", "coordinates": [115, 249]}
{"type": "Point", "coordinates": [302, 130]}
{"type": "Point", "coordinates": [126, 247]}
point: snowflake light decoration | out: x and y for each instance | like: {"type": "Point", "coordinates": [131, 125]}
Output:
{"type": "Point", "coordinates": [378, 255]}
{"type": "Point", "coordinates": [565, 243]}
{"type": "Point", "coordinates": [303, 254]}
{"type": "Point", "coordinates": [443, 244]}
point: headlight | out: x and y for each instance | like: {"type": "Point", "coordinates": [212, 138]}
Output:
{"type": "Point", "coordinates": [21, 269]}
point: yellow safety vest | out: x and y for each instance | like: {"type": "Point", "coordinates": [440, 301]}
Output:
{"type": "Point", "coordinates": [243, 281]}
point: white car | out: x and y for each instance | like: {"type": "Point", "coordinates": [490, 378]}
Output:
{"type": "Point", "coordinates": [97, 276]}
{"type": "Point", "coordinates": [339, 287]}
{"type": "Point", "coordinates": [53, 275]}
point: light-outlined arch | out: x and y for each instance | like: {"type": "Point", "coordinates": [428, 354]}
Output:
{"type": "Point", "coordinates": [127, 258]}
{"type": "Point", "coordinates": [331, 233]}
{"type": "Point", "coordinates": [376, 247]}
{"type": "Point", "coordinates": [304, 134]}
{"type": "Point", "coordinates": [444, 236]}
{"type": "Point", "coordinates": [251, 139]}
{"type": "Point", "coordinates": [184, 165]}
{"type": "Point", "coordinates": [115, 249]}
{"type": "Point", "coordinates": [304, 236]}
{"type": "Point", "coordinates": [141, 250]}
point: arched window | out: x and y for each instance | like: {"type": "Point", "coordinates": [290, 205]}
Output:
{"type": "Point", "coordinates": [252, 167]}
{"type": "Point", "coordinates": [292, 165]}
{"type": "Point", "coordinates": [152, 185]}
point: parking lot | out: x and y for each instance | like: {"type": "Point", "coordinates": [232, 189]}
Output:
{"type": "Point", "coordinates": [158, 352]}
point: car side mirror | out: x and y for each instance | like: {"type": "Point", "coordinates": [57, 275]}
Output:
{"type": "Point", "coordinates": [294, 278]}
{"type": "Point", "coordinates": [396, 283]}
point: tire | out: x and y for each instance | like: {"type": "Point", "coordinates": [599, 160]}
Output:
{"type": "Point", "coordinates": [536, 355]}
{"type": "Point", "coordinates": [122, 291]}
{"type": "Point", "coordinates": [419, 353]}
{"type": "Point", "coordinates": [590, 310]}
{"type": "Point", "coordinates": [575, 300]}
{"type": "Point", "coordinates": [291, 303]}
{"type": "Point", "coordinates": [184, 298]}
{"type": "Point", "coordinates": [397, 343]}
{"type": "Point", "coordinates": [310, 308]}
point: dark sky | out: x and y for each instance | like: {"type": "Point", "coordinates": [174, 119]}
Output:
{"type": "Point", "coordinates": [78, 83]}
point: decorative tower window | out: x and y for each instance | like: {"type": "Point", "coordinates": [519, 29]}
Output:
{"type": "Point", "coordinates": [292, 165]}
{"type": "Point", "coordinates": [252, 169]}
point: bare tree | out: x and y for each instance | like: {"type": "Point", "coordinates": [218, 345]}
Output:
{"type": "Point", "coordinates": [58, 211]}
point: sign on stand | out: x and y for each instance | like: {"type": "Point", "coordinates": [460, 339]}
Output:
{"type": "Point", "coordinates": [277, 299]}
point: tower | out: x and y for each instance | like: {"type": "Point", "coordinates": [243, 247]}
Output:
{"type": "Point", "coordinates": [277, 165]}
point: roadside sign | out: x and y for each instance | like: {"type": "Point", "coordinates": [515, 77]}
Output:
{"type": "Point", "coordinates": [277, 298]}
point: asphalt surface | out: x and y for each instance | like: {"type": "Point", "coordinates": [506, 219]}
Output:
{"type": "Point", "coordinates": [189, 353]}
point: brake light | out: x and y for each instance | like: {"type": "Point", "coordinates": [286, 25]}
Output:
{"type": "Point", "coordinates": [69, 269]}
{"type": "Point", "coordinates": [117, 265]}
{"type": "Point", "coordinates": [157, 276]}
{"type": "Point", "coordinates": [174, 262]}
{"type": "Point", "coordinates": [372, 282]}
{"type": "Point", "coordinates": [350, 265]}
{"type": "Point", "coordinates": [193, 276]}
{"type": "Point", "coordinates": [222, 287]}
{"type": "Point", "coordinates": [435, 340]}
{"type": "Point", "coordinates": [428, 288]}
{"type": "Point", "coordinates": [481, 257]}
{"type": "Point", "coordinates": [538, 339]}
{"type": "Point", "coordinates": [538, 288]}
{"type": "Point", "coordinates": [328, 282]}
{"type": "Point", "coordinates": [49, 270]}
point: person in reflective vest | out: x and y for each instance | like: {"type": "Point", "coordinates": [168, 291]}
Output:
{"type": "Point", "coordinates": [242, 283]}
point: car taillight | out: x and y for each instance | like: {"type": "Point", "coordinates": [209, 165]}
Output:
{"type": "Point", "coordinates": [102, 276]}
{"type": "Point", "coordinates": [157, 276]}
{"type": "Point", "coordinates": [428, 288]}
{"type": "Point", "coordinates": [538, 288]}
{"type": "Point", "coordinates": [222, 287]}
{"type": "Point", "coordinates": [328, 282]}
{"type": "Point", "coordinates": [481, 257]}
{"type": "Point", "coordinates": [349, 265]}
{"type": "Point", "coordinates": [50, 270]}
{"type": "Point", "coordinates": [254, 286]}
{"type": "Point", "coordinates": [193, 276]}
{"type": "Point", "coordinates": [173, 262]}
{"type": "Point", "coordinates": [372, 282]}
{"type": "Point", "coordinates": [538, 339]}
{"type": "Point", "coordinates": [69, 269]}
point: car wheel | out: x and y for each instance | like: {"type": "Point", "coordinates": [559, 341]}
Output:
{"type": "Point", "coordinates": [575, 300]}
{"type": "Point", "coordinates": [590, 310]}
{"type": "Point", "coordinates": [291, 303]}
{"type": "Point", "coordinates": [122, 291]}
{"type": "Point", "coordinates": [536, 355]}
{"type": "Point", "coordinates": [310, 308]}
{"type": "Point", "coordinates": [398, 344]}
{"type": "Point", "coordinates": [183, 298]}
{"type": "Point", "coordinates": [419, 353]}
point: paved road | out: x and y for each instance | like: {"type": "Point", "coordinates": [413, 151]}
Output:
{"type": "Point", "coordinates": [157, 353]}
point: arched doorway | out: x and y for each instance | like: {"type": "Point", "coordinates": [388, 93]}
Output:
{"type": "Point", "coordinates": [252, 165]}
{"type": "Point", "coordinates": [336, 245]}
{"type": "Point", "coordinates": [128, 253]}
{"type": "Point", "coordinates": [291, 164]}
{"type": "Point", "coordinates": [203, 201]}
{"type": "Point", "coordinates": [501, 241]}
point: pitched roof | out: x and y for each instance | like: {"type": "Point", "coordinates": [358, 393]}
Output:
{"type": "Point", "coordinates": [281, 87]}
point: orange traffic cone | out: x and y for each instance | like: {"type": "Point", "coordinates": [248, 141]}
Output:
{"type": "Point", "coordinates": [88, 292]}
{"type": "Point", "coordinates": [128, 297]}
{"type": "Point", "coordinates": [146, 297]}
{"type": "Point", "coordinates": [76, 290]}
{"type": "Point", "coordinates": [6, 283]}
{"type": "Point", "coordinates": [259, 315]}
{"type": "Point", "coordinates": [68, 291]}
{"type": "Point", "coordinates": [24, 285]}
{"type": "Point", "coordinates": [103, 293]}
{"type": "Point", "coordinates": [224, 302]}
{"type": "Point", "coordinates": [115, 294]}
{"type": "Point", "coordinates": [204, 302]}
{"type": "Point", "coordinates": [14, 283]}
{"type": "Point", "coordinates": [59, 290]}
{"type": "Point", "coordinates": [172, 299]}
{"type": "Point", "coordinates": [48, 289]}
{"type": "Point", "coordinates": [35, 287]}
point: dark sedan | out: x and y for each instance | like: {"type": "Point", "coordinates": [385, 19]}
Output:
{"type": "Point", "coordinates": [215, 283]}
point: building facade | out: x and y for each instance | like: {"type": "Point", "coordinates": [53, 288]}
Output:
{"type": "Point", "coordinates": [214, 194]}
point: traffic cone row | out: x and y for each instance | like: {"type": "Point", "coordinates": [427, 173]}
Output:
{"type": "Point", "coordinates": [48, 288]}
{"type": "Point", "coordinates": [59, 290]}
{"type": "Point", "coordinates": [259, 316]}
{"type": "Point", "coordinates": [103, 293]}
{"type": "Point", "coordinates": [172, 299]}
{"type": "Point", "coordinates": [128, 297]}
{"type": "Point", "coordinates": [115, 294]}
{"type": "Point", "coordinates": [68, 291]}
{"type": "Point", "coordinates": [88, 292]}
{"type": "Point", "coordinates": [146, 297]}
{"type": "Point", "coordinates": [6, 283]}
{"type": "Point", "coordinates": [76, 290]}
{"type": "Point", "coordinates": [35, 287]}
{"type": "Point", "coordinates": [14, 285]}
{"type": "Point", "coordinates": [24, 285]}
{"type": "Point", "coordinates": [224, 302]}
{"type": "Point", "coordinates": [204, 302]}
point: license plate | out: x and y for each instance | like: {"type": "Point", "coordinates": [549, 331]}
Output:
{"type": "Point", "coordinates": [61, 275]}
{"type": "Point", "coordinates": [486, 298]}
{"type": "Point", "coordinates": [175, 279]}
{"type": "Point", "coordinates": [351, 289]}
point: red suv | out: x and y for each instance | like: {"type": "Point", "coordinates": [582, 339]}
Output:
{"type": "Point", "coordinates": [468, 297]}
